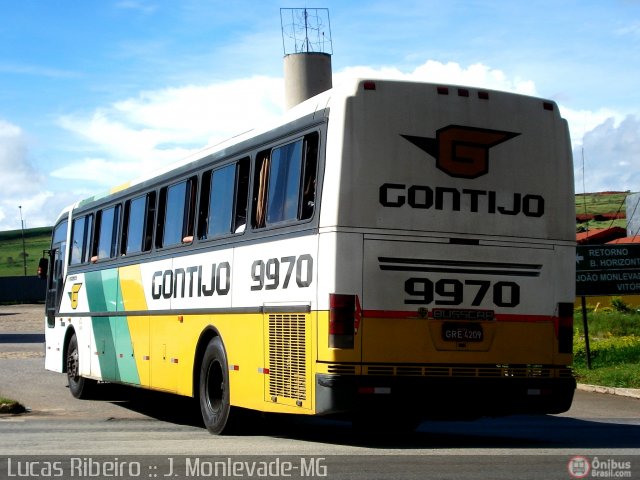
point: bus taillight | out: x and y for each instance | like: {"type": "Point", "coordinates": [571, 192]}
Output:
{"type": "Point", "coordinates": [342, 320]}
{"type": "Point", "coordinates": [565, 327]}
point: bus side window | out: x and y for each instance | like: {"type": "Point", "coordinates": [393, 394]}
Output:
{"type": "Point", "coordinates": [241, 196]}
{"type": "Point", "coordinates": [204, 205]}
{"type": "Point", "coordinates": [55, 281]}
{"type": "Point", "coordinates": [138, 215]}
{"type": "Point", "coordinates": [260, 187]}
{"type": "Point", "coordinates": [220, 199]}
{"type": "Point", "coordinates": [285, 182]}
{"type": "Point", "coordinates": [80, 239]}
{"type": "Point", "coordinates": [223, 200]}
{"type": "Point", "coordinates": [308, 200]}
{"type": "Point", "coordinates": [106, 234]}
{"type": "Point", "coordinates": [149, 221]}
{"type": "Point", "coordinates": [176, 214]}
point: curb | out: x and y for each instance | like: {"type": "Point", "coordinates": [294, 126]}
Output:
{"type": "Point", "coordinates": [621, 392]}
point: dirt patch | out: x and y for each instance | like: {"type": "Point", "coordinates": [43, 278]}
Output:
{"type": "Point", "coordinates": [14, 355]}
{"type": "Point", "coordinates": [22, 318]}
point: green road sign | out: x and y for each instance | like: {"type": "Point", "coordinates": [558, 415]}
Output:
{"type": "Point", "coordinates": [608, 269]}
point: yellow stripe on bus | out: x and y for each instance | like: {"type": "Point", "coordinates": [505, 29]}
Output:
{"type": "Point", "coordinates": [119, 188]}
{"type": "Point", "coordinates": [133, 299]}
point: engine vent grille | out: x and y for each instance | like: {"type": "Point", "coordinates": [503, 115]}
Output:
{"type": "Point", "coordinates": [287, 356]}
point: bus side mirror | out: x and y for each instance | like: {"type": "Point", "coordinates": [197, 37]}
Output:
{"type": "Point", "coordinates": [43, 268]}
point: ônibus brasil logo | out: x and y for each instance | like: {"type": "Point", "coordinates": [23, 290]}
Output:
{"type": "Point", "coordinates": [462, 151]}
{"type": "Point", "coordinates": [579, 467]}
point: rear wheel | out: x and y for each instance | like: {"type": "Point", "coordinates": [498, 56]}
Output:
{"type": "Point", "coordinates": [214, 389]}
{"type": "Point", "coordinates": [79, 386]}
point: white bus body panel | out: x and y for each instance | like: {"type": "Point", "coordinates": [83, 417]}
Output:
{"type": "Point", "coordinates": [518, 209]}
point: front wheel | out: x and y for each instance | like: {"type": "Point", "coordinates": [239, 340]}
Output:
{"type": "Point", "coordinates": [79, 386]}
{"type": "Point", "coordinates": [214, 388]}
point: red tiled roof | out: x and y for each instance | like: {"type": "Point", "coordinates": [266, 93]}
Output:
{"type": "Point", "coordinates": [635, 239]}
{"type": "Point", "coordinates": [600, 235]}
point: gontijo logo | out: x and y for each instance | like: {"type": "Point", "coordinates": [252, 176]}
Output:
{"type": "Point", "coordinates": [462, 151]}
{"type": "Point", "coordinates": [73, 294]}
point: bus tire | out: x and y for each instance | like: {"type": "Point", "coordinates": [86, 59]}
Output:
{"type": "Point", "coordinates": [79, 386]}
{"type": "Point", "coordinates": [214, 388]}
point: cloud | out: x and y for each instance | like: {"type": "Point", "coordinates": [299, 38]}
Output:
{"type": "Point", "coordinates": [142, 134]}
{"type": "Point", "coordinates": [477, 75]}
{"type": "Point", "coordinates": [611, 156]}
{"type": "Point", "coordinates": [583, 121]}
{"type": "Point", "coordinates": [37, 70]}
{"type": "Point", "coordinates": [631, 30]}
{"type": "Point", "coordinates": [136, 135]}
{"type": "Point", "coordinates": [106, 173]}
{"type": "Point", "coordinates": [22, 185]}
{"type": "Point", "coordinates": [143, 7]}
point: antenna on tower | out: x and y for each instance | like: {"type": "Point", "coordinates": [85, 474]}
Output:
{"type": "Point", "coordinates": [307, 45]}
{"type": "Point", "coordinates": [306, 30]}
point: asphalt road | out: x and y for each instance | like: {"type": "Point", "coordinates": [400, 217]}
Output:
{"type": "Point", "coordinates": [126, 422]}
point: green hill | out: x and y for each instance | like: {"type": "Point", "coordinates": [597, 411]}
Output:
{"type": "Point", "coordinates": [11, 254]}
{"type": "Point", "coordinates": [601, 210]}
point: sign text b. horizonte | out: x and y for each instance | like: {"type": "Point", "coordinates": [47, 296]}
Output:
{"type": "Point", "coordinates": [607, 270]}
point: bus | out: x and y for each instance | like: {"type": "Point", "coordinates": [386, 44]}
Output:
{"type": "Point", "coordinates": [389, 251]}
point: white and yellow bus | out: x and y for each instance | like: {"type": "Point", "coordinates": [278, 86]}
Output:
{"type": "Point", "coordinates": [400, 249]}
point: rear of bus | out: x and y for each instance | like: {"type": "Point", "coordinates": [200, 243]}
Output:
{"type": "Point", "coordinates": [446, 254]}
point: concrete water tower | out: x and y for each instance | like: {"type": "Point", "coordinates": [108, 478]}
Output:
{"type": "Point", "coordinates": [306, 40]}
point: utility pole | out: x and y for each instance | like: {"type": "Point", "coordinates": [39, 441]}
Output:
{"type": "Point", "coordinates": [24, 250]}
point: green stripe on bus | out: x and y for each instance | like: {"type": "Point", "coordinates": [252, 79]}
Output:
{"type": "Point", "coordinates": [115, 349]}
{"type": "Point", "coordinates": [103, 291]}
{"type": "Point", "coordinates": [113, 339]}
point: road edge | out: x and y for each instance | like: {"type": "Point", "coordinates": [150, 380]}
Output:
{"type": "Point", "coordinates": [621, 392]}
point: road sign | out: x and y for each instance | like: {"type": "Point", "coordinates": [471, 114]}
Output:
{"type": "Point", "coordinates": [608, 269]}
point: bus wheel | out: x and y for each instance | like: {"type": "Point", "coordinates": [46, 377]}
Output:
{"type": "Point", "coordinates": [214, 388]}
{"type": "Point", "coordinates": [79, 386]}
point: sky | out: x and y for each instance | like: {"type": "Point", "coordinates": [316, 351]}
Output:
{"type": "Point", "coordinates": [96, 92]}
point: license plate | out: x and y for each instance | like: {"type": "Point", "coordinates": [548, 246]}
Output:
{"type": "Point", "coordinates": [462, 332]}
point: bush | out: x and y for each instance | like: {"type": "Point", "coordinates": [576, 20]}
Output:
{"type": "Point", "coordinates": [608, 322]}
{"type": "Point", "coordinates": [607, 351]}
{"type": "Point", "coordinates": [619, 305]}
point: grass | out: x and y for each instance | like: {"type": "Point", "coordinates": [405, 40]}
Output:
{"type": "Point", "coordinates": [600, 203]}
{"type": "Point", "coordinates": [10, 406]}
{"type": "Point", "coordinates": [614, 333]}
{"type": "Point", "coordinates": [596, 224]}
{"type": "Point", "coordinates": [614, 339]}
{"type": "Point", "coordinates": [11, 256]}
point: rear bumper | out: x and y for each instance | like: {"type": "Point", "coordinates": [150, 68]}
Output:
{"type": "Point", "coordinates": [450, 397]}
